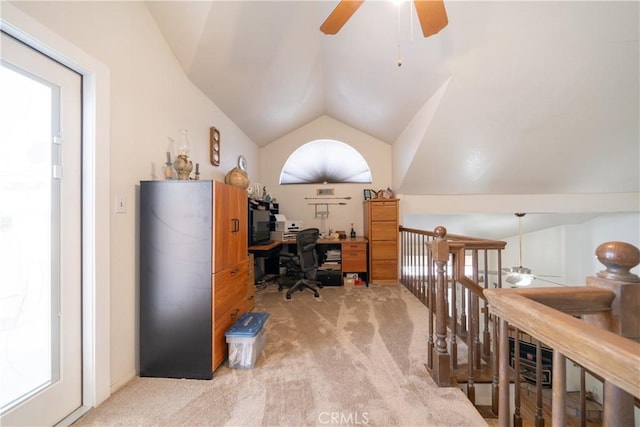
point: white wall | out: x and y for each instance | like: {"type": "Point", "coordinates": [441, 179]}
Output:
{"type": "Point", "coordinates": [568, 251]}
{"type": "Point", "coordinates": [151, 99]}
{"type": "Point", "coordinates": [292, 197]}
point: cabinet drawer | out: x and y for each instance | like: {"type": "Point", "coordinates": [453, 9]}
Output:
{"type": "Point", "coordinates": [384, 250]}
{"type": "Point", "coordinates": [229, 288]}
{"type": "Point", "coordinates": [354, 246]}
{"type": "Point", "coordinates": [383, 230]}
{"type": "Point", "coordinates": [220, 326]}
{"type": "Point", "coordinates": [384, 211]}
{"type": "Point", "coordinates": [354, 265]}
{"type": "Point", "coordinates": [384, 271]}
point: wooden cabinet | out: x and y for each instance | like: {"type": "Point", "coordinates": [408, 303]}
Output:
{"type": "Point", "coordinates": [381, 225]}
{"type": "Point", "coordinates": [191, 289]}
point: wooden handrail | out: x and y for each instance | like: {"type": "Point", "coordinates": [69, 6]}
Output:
{"type": "Point", "coordinates": [573, 300]}
{"type": "Point", "coordinates": [615, 358]}
{"type": "Point", "coordinates": [469, 242]}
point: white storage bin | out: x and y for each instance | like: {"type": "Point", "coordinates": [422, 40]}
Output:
{"type": "Point", "coordinates": [246, 339]}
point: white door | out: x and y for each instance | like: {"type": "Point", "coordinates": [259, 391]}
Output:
{"type": "Point", "coordinates": [40, 237]}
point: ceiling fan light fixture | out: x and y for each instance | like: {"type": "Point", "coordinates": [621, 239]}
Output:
{"type": "Point", "coordinates": [519, 276]}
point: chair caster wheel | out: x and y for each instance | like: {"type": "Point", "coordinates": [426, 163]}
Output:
{"type": "Point", "coordinates": [288, 296]}
{"type": "Point", "coordinates": [317, 295]}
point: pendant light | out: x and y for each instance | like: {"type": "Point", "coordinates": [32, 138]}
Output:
{"type": "Point", "coordinates": [519, 276]}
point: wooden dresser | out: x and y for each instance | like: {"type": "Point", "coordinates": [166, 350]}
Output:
{"type": "Point", "coordinates": [381, 225]}
{"type": "Point", "coordinates": [193, 275]}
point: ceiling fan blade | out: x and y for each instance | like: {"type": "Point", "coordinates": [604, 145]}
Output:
{"type": "Point", "coordinates": [432, 16]}
{"type": "Point", "coordinates": [340, 16]}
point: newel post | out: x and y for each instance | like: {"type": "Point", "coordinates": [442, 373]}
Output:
{"type": "Point", "coordinates": [618, 258]}
{"type": "Point", "coordinates": [441, 371]}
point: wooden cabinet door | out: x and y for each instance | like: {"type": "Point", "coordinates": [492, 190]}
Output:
{"type": "Point", "coordinates": [230, 226]}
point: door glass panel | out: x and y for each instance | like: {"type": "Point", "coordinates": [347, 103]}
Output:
{"type": "Point", "coordinates": [29, 224]}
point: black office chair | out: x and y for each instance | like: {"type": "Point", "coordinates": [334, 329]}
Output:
{"type": "Point", "coordinates": [304, 264]}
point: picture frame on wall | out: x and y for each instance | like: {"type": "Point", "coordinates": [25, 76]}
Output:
{"type": "Point", "coordinates": [367, 194]}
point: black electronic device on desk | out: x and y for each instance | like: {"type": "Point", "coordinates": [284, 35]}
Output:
{"type": "Point", "coordinates": [259, 227]}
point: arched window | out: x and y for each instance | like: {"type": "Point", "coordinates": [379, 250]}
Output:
{"type": "Point", "coordinates": [325, 161]}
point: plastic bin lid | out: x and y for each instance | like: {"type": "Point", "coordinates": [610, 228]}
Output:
{"type": "Point", "coordinates": [247, 325]}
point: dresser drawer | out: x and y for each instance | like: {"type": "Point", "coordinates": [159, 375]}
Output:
{"type": "Point", "coordinates": [220, 326]}
{"type": "Point", "coordinates": [384, 271]}
{"type": "Point", "coordinates": [383, 230]}
{"type": "Point", "coordinates": [354, 246]}
{"type": "Point", "coordinates": [229, 289]}
{"type": "Point", "coordinates": [384, 250]}
{"type": "Point", "coordinates": [384, 211]}
{"type": "Point", "coordinates": [354, 261]}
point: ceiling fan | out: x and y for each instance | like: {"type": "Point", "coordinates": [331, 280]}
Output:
{"type": "Point", "coordinates": [431, 14]}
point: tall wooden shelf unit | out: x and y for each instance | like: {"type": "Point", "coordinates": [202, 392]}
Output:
{"type": "Point", "coordinates": [381, 227]}
{"type": "Point", "coordinates": [193, 275]}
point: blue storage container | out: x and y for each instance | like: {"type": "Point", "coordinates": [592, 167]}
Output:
{"type": "Point", "coordinates": [246, 339]}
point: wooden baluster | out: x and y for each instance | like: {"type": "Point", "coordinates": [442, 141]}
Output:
{"type": "Point", "coordinates": [463, 312]}
{"type": "Point", "coordinates": [517, 416]}
{"type": "Point", "coordinates": [403, 254]}
{"type": "Point", "coordinates": [423, 270]}
{"type": "Point", "coordinates": [404, 276]}
{"type": "Point", "coordinates": [583, 398]}
{"type": "Point", "coordinates": [471, 350]}
{"type": "Point", "coordinates": [495, 385]}
{"type": "Point", "coordinates": [441, 369]}
{"type": "Point", "coordinates": [539, 419]}
{"type": "Point", "coordinates": [559, 390]}
{"type": "Point", "coordinates": [495, 365]}
{"type": "Point", "coordinates": [414, 265]}
{"type": "Point", "coordinates": [486, 335]}
{"type": "Point", "coordinates": [453, 320]}
{"type": "Point", "coordinates": [475, 312]}
{"type": "Point", "coordinates": [430, 304]}
{"type": "Point", "coordinates": [503, 351]}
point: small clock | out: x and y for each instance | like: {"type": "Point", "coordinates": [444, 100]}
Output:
{"type": "Point", "coordinates": [214, 146]}
{"type": "Point", "coordinates": [242, 163]}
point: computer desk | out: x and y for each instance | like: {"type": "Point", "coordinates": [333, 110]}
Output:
{"type": "Point", "coordinates": [353, 255]}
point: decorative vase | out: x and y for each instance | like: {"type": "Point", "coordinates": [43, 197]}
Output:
{"type": "Point", "coordinates": [237, 177]}
{"type": "Point", "coordinates": [183, 166]}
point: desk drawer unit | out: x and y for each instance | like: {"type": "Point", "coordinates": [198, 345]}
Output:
{"type": "Point", "coordinates": [354, 257]}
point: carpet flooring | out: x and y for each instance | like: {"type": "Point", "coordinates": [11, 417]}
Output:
{"type": "Point", "coordinates": [354, 356]}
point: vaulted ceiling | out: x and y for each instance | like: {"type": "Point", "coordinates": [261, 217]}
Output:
{"type": "Point", "coordinates": [532, 97]}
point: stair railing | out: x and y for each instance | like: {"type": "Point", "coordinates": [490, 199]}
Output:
{"type": "Point", "coordinates": [603, 341]}
{"type": "Point", "coordinates": [450, 275]}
